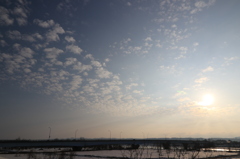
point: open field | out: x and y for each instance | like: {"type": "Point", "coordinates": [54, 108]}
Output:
{"type": "Point", "coordinates": [142, 152]}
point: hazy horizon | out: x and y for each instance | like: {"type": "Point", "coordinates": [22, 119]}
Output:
{"type": "Point", "coordinates": [125, 69]}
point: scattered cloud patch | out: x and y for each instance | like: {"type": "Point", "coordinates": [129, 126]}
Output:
{"type": "Point", "coordinates": [195, 44]}
{"type": "Point", "coordinates": [74, 49]}
{"type": "Point", "coordinates": [44, 24]}
{"type": "Point", "coordinates": [26, 52]}
{"type": "Point", "coordinates": [208, 69]}
{"type": "Point", "coordinates": [76, 82]}
{"type": "Point", "coordinates": [16, 35]}
{"type": "Point", "coordinates": [129, 4]}
{"type": "Point", "coordinates": [202, 4]}
{"type": "Point", "coordinates": [70, 39]}
{"type": "Point", "coordinates": [128, 87]}
{"type": "Point", "coordinates": [107, 60]}
{"type": "Point", "coordinates": [183, 51]}
{"type": "Point", "coordinates": [81, 67]}
{"type": "Point", "coordinates": [5, 18]}
{"type": "Point", "coordinates": [148, 39]}
{"type": "Point", "coordinates": [52, 35]}
{"type": "Point", "coordinates": [52, 53]}
{"type": "Point", "coordinates": [3, 43]}
{"type": "Point", "coordinates": [103, 73]}
{"type": "Point", "coordinates": [201, 80]}
{"type": "Point", "coordinates": [70, 61]}
{"type": "Point", "coordinates": [138, 91]}
{"type": "Point", "coordinates": [229, 60]}
{"type": "Point", "coordinates": [168, 69]}
{"type": "Point", "coordinates": [179, 93]}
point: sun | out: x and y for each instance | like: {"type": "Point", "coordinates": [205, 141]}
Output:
{"type": "Point", "coordinates": [207, 99]}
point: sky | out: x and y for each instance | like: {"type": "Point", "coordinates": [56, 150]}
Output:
{"type": "Point", "coordinates": [119, 69]}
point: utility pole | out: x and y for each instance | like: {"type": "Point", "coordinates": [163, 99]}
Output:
{"type": "Point", "coordinates": [76, 133]}
{"type": "Point", "coordinates": [110, 134]}
{"type": "Point", "coordinates": [49, 133]}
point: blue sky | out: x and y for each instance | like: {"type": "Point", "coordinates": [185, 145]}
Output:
{"type": "Point", "coordinates": [144, 68]}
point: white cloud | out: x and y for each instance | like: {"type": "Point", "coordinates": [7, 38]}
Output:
{"type": "Point", "coordinates": [16, 46]}
{"type": "Point", "coordinates": [6, 56]}
{"type": "Point", "coordinates": [21, 21]}
{"type": "Point", "coordinates": [19, 59]}
{"type": "Point", "coordinates": [4, 17]}
{"type": "Point", "coordinates": [158, 43]}
{"type": "Point", "coordinates": [201, 80]}
{"type": "Point", "coordinates": [138, 91]}
{"type": "Point", "coordinates": [12, 66]}
{"type": "Point", "coordinates": [148, 39]}
{"type": "Point", "coordinates": [148, 45]}
{"type": "Point", "coordinates": [136, 49]}
{"type": "Point", "coordinates": [229, 60]}
{"type": "Point", "coordinates": [183, 51]}
{"type": "Point", "coordinates": [96, 63]}
{"type": "Point", "coordinates": [208, 69]}
{"type": "Point", "coordinates": [200, 4]}
{"type": "Point", "coordinates": [59, 63]}
{"type": "Point", "coordinates": [70, 39]}
{"type": "Point", "coordinates": [38, 36]}
{"type": "Point", "coordinates": [126, 48]}
{"type": "Point", "coordinates": [158, 20]}
{"type": "Point", "coordinates": [14, 34]}
{"type": "Point", "coordinates": [52, 35]}
{"type": "Point", "coordinates": [28, 38]}
{"type": "Point", "coordinates": [52, 53]}
{"type": "Point", "coordinates": [89, 56]}
{"type": "Point", "coordinates": [44, 24]}
{"type": "Point", "coordinates": [41, 69]}
{"type": "Point", "coordinates": [26, 52]}
{"type": "Point", "coordinates": [3, 43]}
{"type": "Point", "coordinates": [195, 44]}
{"type": "Point", "coordinates": [81, 67]}
{"type": "Point", "coordinates": [93, 82]}
{"type": "Point", "coordinates": [74, 49]}
{"type": "Point", "coordinates": [107, 60]}
{"type": "Point", "coordinates": [179, 93]}
{"type": "Point", "coordinates": [27, 70]}
{"type": "Point", "coordinates": [21, 12]}
{"type": "Point", "coordinates": [19, 62]}
{"type": "Point", "coordinates": [103, 73]}
{"type": "Point", "coordinates": [60, 6]}
{"type": "Point", "coordinates": [128, 87]}
{"type": "Point", "coordinates": [127, 41]}
{"type": "Point", "coordinates": [76, 82]}
{"type": "Point", "coordinates": [88, 89]}
{"type": "Point", "coordinates": [168, 69]}
{"type": "Point", "coordinates": [85, 73]}
{"type": "Point", "coordinates": [70, 61]}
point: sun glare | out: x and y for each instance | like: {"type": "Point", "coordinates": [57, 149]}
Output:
{"type": "Point", "coordinates": [207, 99]}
